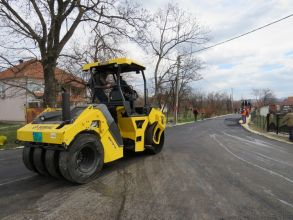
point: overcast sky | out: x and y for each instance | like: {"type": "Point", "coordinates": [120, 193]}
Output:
{"type": "Point", "coordinates": [261, 60]}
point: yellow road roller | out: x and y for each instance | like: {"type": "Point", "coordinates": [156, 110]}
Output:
{"type": "Point", "coordinates": [75, 142]}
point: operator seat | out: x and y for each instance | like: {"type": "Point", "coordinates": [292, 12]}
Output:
{"type": "Point", "coordinates": [115, 99]}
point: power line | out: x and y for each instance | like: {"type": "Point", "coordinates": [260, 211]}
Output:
{"type": "Point", "coordinates": [241, 35]}
{"type": "Point", "coordinates": [234, 38]}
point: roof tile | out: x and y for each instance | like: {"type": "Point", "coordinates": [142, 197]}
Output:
{"type": "Point", "coordinates": [33, 69]}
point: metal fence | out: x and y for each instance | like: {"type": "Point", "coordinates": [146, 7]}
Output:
{"type": "Point", "coordinates": [271, 122]}
{"type": "Point", "coordinates": [276, 123]}
{"type": "Point", "coordinates": [32, 113]}
{"type": "Point", "coordinates": [259, 121]}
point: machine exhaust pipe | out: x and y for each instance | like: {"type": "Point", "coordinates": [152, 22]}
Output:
{"type": "Point", "coordinates": [65, 106]}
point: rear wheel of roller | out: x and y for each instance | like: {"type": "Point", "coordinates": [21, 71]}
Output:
{"type": "Point", "coordinates": [39, 161]}
{"type": "Point", "coordinates": [83, 160]}
{"type": "Point", "coordinates": [52, 163]}
{"type": "Point", "coordinates": [150, 134]}
{"type": "Point", "coordinates": [27, 158]}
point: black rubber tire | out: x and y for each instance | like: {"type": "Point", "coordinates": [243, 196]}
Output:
{"type": "Point", "coordinates": [63, 164]}
{"type": "Point", "coordinates": [83, 160]}
{"type": "Point", "coordinates": [151, 147]}
{"type": "Point", "coordinates": [52, 163]}
{"type": "Point", "coordinates": [149, 133]}
{"type": "Point", "coordinates": [157, 148]}
{"type": "Point", "coordinates": [27, 158]}
{"type": "Point", "coordinates": [39, 161]}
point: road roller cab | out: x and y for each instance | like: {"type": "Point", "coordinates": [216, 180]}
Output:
{"type": "Point", "coordinates": [74, 142]}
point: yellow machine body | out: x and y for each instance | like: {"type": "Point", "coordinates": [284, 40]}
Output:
{"type": "Point", "coordinates": [134, 127]}
{"type": "Point", "coordinates": [92, 120]}
{"type": "Point", "coordinates": [74, 142]}
{"type": "Point", "coordinates": [116, 61]}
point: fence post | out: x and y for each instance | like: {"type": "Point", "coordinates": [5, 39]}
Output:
{"type": "Point", "coordinates": [268, 122]}
{"type": "Point", "coordinates": [277, 130]}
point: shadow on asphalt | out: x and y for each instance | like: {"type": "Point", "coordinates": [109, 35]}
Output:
{"type": "Point", "coordinates": [31, 189]}
{"type": "Point", "coordinates": [232, 121]}
{"type": "Point", "coordinates": [35, 182]}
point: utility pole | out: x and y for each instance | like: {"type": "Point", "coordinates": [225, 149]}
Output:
{"type": "Point", "coordinates": [232, 104]}
{"type": "Point", "coordinates": [177, 91]}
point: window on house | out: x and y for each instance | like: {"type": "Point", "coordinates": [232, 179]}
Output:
{"type": "Point", "coordinates": [34, 104]}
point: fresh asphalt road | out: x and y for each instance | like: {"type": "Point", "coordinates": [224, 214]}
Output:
{"type": "Point", "coordinates": [211, 169]}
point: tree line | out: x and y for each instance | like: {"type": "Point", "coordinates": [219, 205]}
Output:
{"type": "Point", "coordinates": [69, 33]}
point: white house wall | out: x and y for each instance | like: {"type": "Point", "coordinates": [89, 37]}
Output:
{"type": "Point", "coordinates": [12, 109]}
{"type": "Point", "coordinates": [12, 103]}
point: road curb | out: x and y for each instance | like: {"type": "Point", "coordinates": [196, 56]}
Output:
{"type": "Point", "coordinates": [205, 119]}
{"type": "Point", "coordinates": [246, 127]}
{"type": "Point", "coordinates": [11, 126]}
{"type": "Point", "coordinates": [15, 148]}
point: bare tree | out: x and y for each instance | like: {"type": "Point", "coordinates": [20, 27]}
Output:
{"type": "Point", "coordinates": [208, 104]}
{"type": "Point", "coordinates": [263, 96]}
{"type": "Point", "coordinates": [102, 44]}
{"type": "Point", "coordinates": [212, 103]}
{"type": "Point", "coordinates": [51, 24]}
{"type": "Point", "coordinates": [172, 32]}
{"type": "Point", "coordinates": [188, 72]}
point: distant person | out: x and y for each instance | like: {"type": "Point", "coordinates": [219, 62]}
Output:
{"type": "Point", "coordinates": [243, 114]}
{"type": "Point", "coordinates": [247, 111]}
{"type": "Point", "coordinates": [288, 120]}
{"type": "Point", "coordinates": [99, 83]}
{"type": "Point", "coordinates": [249, 106]}
{"type": "Point", "coordinates": [195, 114]}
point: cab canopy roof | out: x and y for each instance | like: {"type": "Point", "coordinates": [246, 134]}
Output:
{"type": "Point", "coordinates": [125, 64]}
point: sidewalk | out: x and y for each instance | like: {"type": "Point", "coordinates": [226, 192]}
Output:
{"type": "Point", "coordinates": [272, 135]}
{"type": "Point", "coordinates": [183, 123]}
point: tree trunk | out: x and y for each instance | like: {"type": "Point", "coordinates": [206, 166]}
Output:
{"type": "Point", "coordinates": [156, 81]}
{"type": "Point", "coordinates": [50, 91]}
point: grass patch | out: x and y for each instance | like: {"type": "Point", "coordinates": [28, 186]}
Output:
{"type": "Point", "coordinates": [183, 120]}
{"type": "Point", "coordinates": [280, 136]}
{"type": "Point", "coordinates": [255, 128]}
{"type": "Point", "coordinates": [3, 124]}
{"type": "Point", "coordinates": [9, 130]}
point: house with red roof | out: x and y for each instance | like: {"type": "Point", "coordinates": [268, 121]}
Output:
{"type": "Point", "coordinates": [288, 101]}
{"type": "Point", "coordinates": [22, 86]}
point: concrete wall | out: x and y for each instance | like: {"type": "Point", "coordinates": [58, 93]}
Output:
{"type": "Point", "coordinates": [13, 99]}
{"type": "Point", "coordinates": [12, 109]}
{"type": "Point", "coordinates": [12, 102]}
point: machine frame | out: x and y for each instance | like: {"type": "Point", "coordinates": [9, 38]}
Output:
{"type": "Point", "coordinates": [74, 143]}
